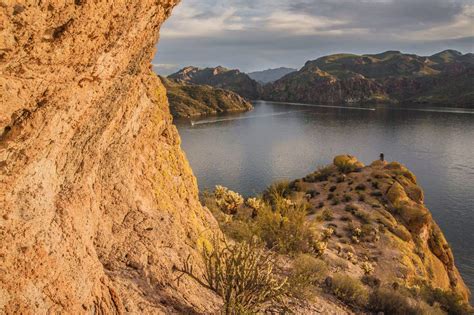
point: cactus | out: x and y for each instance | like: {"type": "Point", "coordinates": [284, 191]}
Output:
{"type": "Point", "coordinates": [241, 273]}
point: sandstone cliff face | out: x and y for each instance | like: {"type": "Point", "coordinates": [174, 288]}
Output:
{"type": "Point", "coordinates": [97, 201]}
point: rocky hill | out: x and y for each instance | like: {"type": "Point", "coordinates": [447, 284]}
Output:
{"type": "Point", "coordinates": [362, 234]}
{"type": "Point", "coordinates": [191, 100]}
{"type": "Point", "coordinates": [270, 75]}
{"type": "Point", "coordinates": [97, 200]}
{"type": "Point", "coordinates": [445, 78]}
{"type": "Point", "coordinates": [220, 77]}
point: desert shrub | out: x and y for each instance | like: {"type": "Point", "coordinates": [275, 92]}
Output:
{"type": "Point", "coordinates": [349, 290]}
{"type": "Point", "coordinates": [357, 212]}
{"type": "Point", "coordinates": [376, 193]}
{"type": "Point", "coordinates": [313, 193]}
{"type": "Point", "coordinates": [242, 274]}
{"type": "Point", "coordinates": [451, 302]}
{"type": "Point", "coordinates": [333, 188]}
{"type": "Point", "coordinates": [306, 273]}
{"type": "Point", "coordinates": [327, 233]}
{"type": "Point", "coordinates": [238, 230]}
{"type": "Point", "coordinates": [285, 229]}
{"type": "Point", "coordinates": [227, 200]}
{"type": "Point", "coordinates": [330, 196]}
{"type": "Point", "coordinates": [335, 201]}
{"type": "Point", "coordinates": [371, 281]}
{"type": "Point", "coordinates": [361, 187]}
{"type": "Point", "coordinates": [326, 215]}
{"type": "Point", "coordinates": [254, 203]}
{"type": "Point", "coordinates": [347, 166]}
{"type": "Point", "coordinates": [297, 185]}
{"type": "Point", "coordinates": [367, 267]}
{"type": "Point", "coordinates": [395, 302]}
{"type": "Point", "coordinates": [346, 218]}
{"type": "Point", "coordinates": [321, 174]}
{"type": "Point", "coordinates": [277, 193]}
{"type": "Point", "coordinates": [367, 229]}
{"type": "Point", "coordinates": [363, 216]}
{"type": "Point", "coordinates": [361, 197]}
{"type": "Point", "coordinates": [347, 198]}
{"type": "Point", "coordinates": [351, 208]}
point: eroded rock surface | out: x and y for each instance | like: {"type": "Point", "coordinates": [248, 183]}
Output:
{"type": "Point", "coordinates": [97, 201]}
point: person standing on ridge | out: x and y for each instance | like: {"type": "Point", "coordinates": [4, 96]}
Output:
{"type": "Point", "coordinates": [382, 157]}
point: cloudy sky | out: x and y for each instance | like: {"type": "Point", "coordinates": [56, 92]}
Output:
{"type": "Point", "coordinates": [259, 34]}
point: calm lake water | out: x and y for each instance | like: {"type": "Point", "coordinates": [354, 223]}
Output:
{"type": "Point", "coordinates": [247, 152]}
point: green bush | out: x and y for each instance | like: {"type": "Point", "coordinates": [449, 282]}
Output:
{"type": "Point", "coordinates": [451, 302]}
{"type": "Point", "coordinates": [326, 215]}
{"type": "Point", "coordinates": [349, 290]}
{"type": "Point", "coordinates": [276, 194]}
{"type": "Point", "coordinates": [242, 274]}
{"type": "Point", "coordinates": [321, 174]}
{"type": "Point", "coordinates": [395, 302]}
{"type": "Point", "coordinates": [285, 229]}
{"type": "Point", "coordinates": [306, 274]}
{"type": "Point", "coordinates": [347, 167]}
{"type": "Point", "coordinates": [347, 198]}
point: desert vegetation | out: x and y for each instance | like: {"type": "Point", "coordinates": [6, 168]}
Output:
{"type": "Point", "coordinates": [318, 246]}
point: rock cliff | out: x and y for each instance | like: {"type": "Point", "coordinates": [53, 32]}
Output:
{"type": "Point", "coordinates": [396, 231]}
{"type": "Point", "coordinates": [192, 100]}
{"type": "Point", "coordinates": [97, 201]}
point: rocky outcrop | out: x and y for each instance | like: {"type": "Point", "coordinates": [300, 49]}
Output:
{"type": "Point", "coordinates": [220, 77]}
{"type": "Point", "coordinates": [382, 207]}
{"type": "Point", "coordinates": [97, 201]}
{"type": "Point", "coordinates": [191, 100]}
{"type": "Point", "coordinates": [444, 78]}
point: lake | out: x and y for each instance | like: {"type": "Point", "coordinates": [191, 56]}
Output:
{"type": "Point", "coordinates": [247, 152]}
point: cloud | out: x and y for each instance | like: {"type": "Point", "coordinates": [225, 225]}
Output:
{"type": "Point", "coordinates": [254, 34]}
{"type": "Point", "coordinates": [192, 22]}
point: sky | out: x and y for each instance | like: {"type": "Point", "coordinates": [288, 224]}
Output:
{"type": "Point", "coordinates": [255, 35]}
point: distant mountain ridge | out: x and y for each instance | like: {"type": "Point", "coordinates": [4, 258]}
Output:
{"type": "Point", "coordinates": [443, 78]}
{"type": "Point", "coordinates": [270, 75]}
{"type": "Point", "coordinates": [220, 77]}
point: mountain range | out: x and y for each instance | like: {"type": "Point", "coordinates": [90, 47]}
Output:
{"type": "Point", "coordinates": [445, 78]}
{"type": "Point", "coordinates": [270, 75]}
